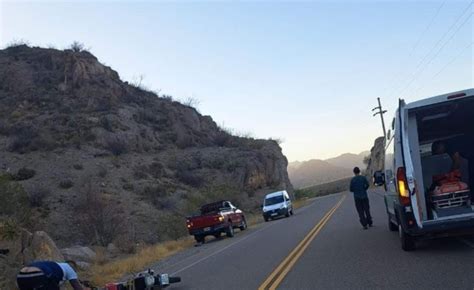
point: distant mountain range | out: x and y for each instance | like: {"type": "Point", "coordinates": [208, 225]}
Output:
{"type": "Point", "coordinates": [317, 171]}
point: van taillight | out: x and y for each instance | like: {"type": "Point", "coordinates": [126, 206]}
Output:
{"type": "Point", "coordinates": [402, 186]}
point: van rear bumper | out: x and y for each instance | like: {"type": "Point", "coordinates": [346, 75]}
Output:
{"type": "Point", "coordinates": [458, 226]}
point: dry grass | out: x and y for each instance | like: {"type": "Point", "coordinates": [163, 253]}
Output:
{"type": "Point", "coordinates": [102, 273]}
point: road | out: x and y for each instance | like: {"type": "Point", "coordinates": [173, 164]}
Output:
{"type": "Point", "coordinates": [323, 247]}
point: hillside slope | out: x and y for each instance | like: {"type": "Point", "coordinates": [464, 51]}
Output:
{"type": "Point", "coordinates": [316, 171]}
{"type": "Point", "coordinates": [101, 160]}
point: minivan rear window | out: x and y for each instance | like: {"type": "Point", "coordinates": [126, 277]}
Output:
{"type": "Point", "coordinates": [274, 200]}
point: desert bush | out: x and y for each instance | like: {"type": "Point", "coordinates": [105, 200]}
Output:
{"type": "Point", "coordinates": [105, 122]}
{"type": "Point", "coordinates": [36, 196]}
{"type": "Point", "coordinates": [76, 46]}
{"type": "Point", "coordinates": [170, 229]}
{"type": "Point", "coordinates": [185, 142]}
{"type": "Point", "coordinates": [9, 229]}
{"type": "Point", "coordinates": [23, 138]}
{"type": "Point", "coordinates": [167, 97]}
{"type": "Point", "coordinates": [222, 138]}
{"type": "Point", "coordinates": [78, 166]}
{"type": "Point", "coordinates": [128, 186]}
{"type": "Point", "coordinates": [24, 174]}
{"type": "Point", "coordinates": [156, 169]}
{"type": "Point", "coordinates": [159, 196]}
{"type": "Point", "coordinates": [17, 42]}
{"type": "Point", "coordinates": [189, 178]}
{"type": "Point", "coordinates": [102, 171]}
{"type": "Point", "coordinates": [4, 128]}
{"type": "Point", "coordinates": [14, 201]}
{"type": "Point", "coordinates": [140, 172]}
{"type": "Point", "coordinates": [66, 183]}
{"type": "Point", "coordinates": [116, 147]}
{"type": "Point", "coordinates": [98, 219]}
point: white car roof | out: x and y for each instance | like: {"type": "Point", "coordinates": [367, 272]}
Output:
{"type": "Point", "coordinates": [273, 194]}
{"type": "Point", "coordinates": [439, 99]}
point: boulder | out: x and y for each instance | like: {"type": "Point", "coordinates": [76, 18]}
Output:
{"type": "Point", "coordinates": [42, 248]}
{"type": "Point", "coordinates": [79, 254]}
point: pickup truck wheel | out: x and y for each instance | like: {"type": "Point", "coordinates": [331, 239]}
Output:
{"type": "Point", "coordinates": [243, 225]}
{"type": "Point", "coordinates": [199, 238]}
{"type": "Point", "coordinates": [407, 241]}
{"type": "Point", "coordinates": [391, 226]}
{"type": "Point", "coordinates": [230, 231]}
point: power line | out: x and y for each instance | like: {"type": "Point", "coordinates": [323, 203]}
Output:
{"type": "Point", "coordinates": [461, 52]}
{"type": "Point", "coordinates": [422, 62]}
{"type": "Point", "coordinates": [435, 55]}
{"type": "Point", "coordinates": [427, 28]}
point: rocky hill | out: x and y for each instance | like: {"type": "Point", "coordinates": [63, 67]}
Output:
{"type": "Point", "coordinates": [316, 171]}
{"type": "Point", "coordinates": [94, 160]}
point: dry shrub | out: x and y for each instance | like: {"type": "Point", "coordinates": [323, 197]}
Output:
{"type": "Point", "coordinates": [102, 274]}
{"type": "Point", "coordinates": [97, 218]}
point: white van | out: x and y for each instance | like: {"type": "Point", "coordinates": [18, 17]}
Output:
{"type": "Point", "coordinates": [415, 209]}
{"type": "Point", "coordinates": [277, 204]}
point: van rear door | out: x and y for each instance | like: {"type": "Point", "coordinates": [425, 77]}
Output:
{"type": "Point", "coordinates": [407, 161]}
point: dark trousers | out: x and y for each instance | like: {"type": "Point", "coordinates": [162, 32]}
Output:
{"type": "Point", "coordinates": [35, 281]}
{"type": "Point", "coordinates": [363, 209]}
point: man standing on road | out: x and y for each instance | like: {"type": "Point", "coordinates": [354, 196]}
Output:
{"type": "Point", "coordinates": [359, 186]}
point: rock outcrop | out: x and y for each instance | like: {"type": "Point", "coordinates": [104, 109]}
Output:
{"type": "Point", "coordinates": [23, 248]}
{"type": "Point", "coordinates": [109, 161]}
{"type": "Point", "coordinates": [377, 157]}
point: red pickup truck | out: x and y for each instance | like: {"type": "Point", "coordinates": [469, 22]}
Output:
{"type": "Point", "coordinates": [216, 218]}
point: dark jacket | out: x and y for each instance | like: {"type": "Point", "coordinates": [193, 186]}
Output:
{"type": "Point", "coordinates": [359, 186]}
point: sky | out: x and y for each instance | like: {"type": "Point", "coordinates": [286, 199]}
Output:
{"type": "Point", "coordinates": [307, 73]}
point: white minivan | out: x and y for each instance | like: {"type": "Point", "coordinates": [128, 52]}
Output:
{"type": "Point", "coordinates": [416, 208]}
{"type": "Point", "coordinates": [277, 204]}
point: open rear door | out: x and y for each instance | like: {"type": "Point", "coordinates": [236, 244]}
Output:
{"type": "Point", "coordinates": [408, 163]}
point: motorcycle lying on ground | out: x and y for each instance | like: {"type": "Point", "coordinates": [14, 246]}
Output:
{"type": "Point", "coordinates": [142, 281]}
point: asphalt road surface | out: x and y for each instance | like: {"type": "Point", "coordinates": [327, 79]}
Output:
{"type": "Point", "coordinates": [323, 246]}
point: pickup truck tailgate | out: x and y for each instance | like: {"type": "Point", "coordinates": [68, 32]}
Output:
{"type": "Point", "coordinates": [203, 221]}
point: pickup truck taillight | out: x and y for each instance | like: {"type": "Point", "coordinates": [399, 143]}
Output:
{"type": "Point", "coordinates": [403, 191]}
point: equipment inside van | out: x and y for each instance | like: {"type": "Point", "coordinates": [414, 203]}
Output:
{"type": "Point", "coordinates": [429, 168]}
{"type": "Point", "coordinates": [277, 204]}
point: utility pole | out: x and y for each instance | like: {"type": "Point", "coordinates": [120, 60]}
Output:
{"type": "Point", "coordinates": [380, 112]}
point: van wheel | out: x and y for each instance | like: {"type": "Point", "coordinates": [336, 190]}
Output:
{"type": "Point", "coordinates": [266, 219]}
{"type": "Point", "coordinates": [230, 231]}
{"type": "Point", "coordinates": [408, 242]}
{"type": "Point", "coordinates": [287, 213]}
{"type": "Point", "coordinates": [291, 212]}
{"type": "Point", "coordinates": [391, 226]}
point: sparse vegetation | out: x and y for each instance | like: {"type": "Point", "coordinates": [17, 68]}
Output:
{"type": "Point", "coordinates": [36, 196]}
{"type": "Point", "coordinates": [78, 166]}
{"type": "Point", "coordinates": [102, 171]}
{"type": "Point", "coordinates": [76, 46]}
{"type": "Point", "coordinates": [190, 178]}
{"type": "Point", "coordinates": [14, 201]}
{"type": "Point", "coordinates": [9, 229]}
{"type": "Point", "coordinates": [116, 146]}
{"type": "Point", "coordinates": [112, 271]}
{"type": "Point", "coordinates": [24, 174]}
{"type": "Point", "coordinates": [17, 42]}
{"type": "Point", "coordinates": [66, 183]}
{"type": "Point", "coordinates": [97, 218]}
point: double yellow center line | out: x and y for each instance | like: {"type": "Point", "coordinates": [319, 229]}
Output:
{"type": "Point", "coordinates": [282, 270]}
